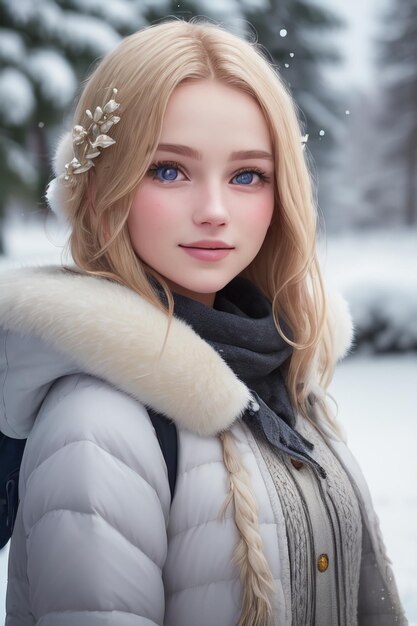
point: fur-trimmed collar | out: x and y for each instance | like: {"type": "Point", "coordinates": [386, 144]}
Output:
{"type": "Point", "coordinates": [113, 333]}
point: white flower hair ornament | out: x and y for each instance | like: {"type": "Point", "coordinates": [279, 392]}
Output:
{"type": "Point", "coordinates": [76, 151]}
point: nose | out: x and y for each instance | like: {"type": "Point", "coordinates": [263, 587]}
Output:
{"type": "Point", "coordinates": [210, 207]}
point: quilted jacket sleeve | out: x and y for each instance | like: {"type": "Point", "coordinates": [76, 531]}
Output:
{"type": "Point", "coordinates": [378, 605]}
{"type": "Point", "coordinates": [94, 508]}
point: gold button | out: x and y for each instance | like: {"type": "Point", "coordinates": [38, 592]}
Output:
{"type": "Point", "coordinates": [323, 562]}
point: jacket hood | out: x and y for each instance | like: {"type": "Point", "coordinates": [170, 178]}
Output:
{"type": "Point", "coordinates": [54, 323]}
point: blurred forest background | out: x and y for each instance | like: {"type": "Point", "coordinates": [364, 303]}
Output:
{"type": "Point", "coordinates": [361, 122]}
{"type": "Point", "coordinates": [366, 164]}
{"type": "Point", "coordinates": [363, 141]}
{"type": "Point", "coordinates": [352, 69]}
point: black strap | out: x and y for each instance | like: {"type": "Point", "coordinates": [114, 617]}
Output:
{"type": "Point", "coordinates": [11, 452]}
{"type": "Point", "coordinates": [166, 433]}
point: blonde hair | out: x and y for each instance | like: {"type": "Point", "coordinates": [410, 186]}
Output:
{"type": "Point", "coordinates": [146, 68]}
{"type": "Point", "coordinates": [248, 556]}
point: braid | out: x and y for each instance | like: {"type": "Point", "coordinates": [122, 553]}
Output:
{"type": "Point", "coordinates": [255, 574]}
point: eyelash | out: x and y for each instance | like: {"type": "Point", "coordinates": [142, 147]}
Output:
{"type": "Point", "coordinates": [155, 166]}
{"type": "Point", "coordinates": [255, 170]}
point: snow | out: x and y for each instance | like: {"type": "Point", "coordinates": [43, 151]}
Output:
{"type": "Point", "coordinates": [55, 76]}
{"type": "Point", "coordinates": [254, 5]}
{"type": "Point", "coordinates": [227, 12]}
{"type": "Point", "coordinates": [41, 241]}
{"type": "Point", "coordinates": [387, 314]}
{"type": "Point", "coordinates": [81, 33]}
{"type": "Point", "coordinates": [158, 5]}
{"type": "Point", "coordinates": [378, 411]}
{"type": "Point", "coordinates": [18, 162]}
{"type": "Point", "coordinates": [377, 273]}
{"type": "Point", "coordinates": [119, 13]}
{"type": "Point", "coordinates": [78, 32]}
{"type": "Point", "coordinates": [12, 48]}
{"type": "Point", "coordinates": [17, 95]}
{"type": "Point", "coordinates": [22, 11]}
{"type": "Point", "coordinates": [229, 7]}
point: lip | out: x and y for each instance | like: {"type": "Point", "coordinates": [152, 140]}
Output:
{"type": "Point", "coordinates": [208, 244]}
{"type": "Point", "coordinates": [207, 249]}
{"type": "Point", "coordinates": [207, 254]}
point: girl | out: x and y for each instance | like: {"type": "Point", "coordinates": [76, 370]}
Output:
{"type": "Point", "coordinates": [196, 296]}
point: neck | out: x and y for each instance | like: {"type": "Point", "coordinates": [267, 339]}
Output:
{"type": "Point", "coordinates": [204, 298]}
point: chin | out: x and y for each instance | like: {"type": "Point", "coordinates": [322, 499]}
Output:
{"type": "Point", "coordinates": [209, 286]}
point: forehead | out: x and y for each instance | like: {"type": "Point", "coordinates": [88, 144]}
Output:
{"type": "Point", "coordinates": [206, 112]}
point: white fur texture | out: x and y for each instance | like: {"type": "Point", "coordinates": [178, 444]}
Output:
{"type": "Point", "coordinates": [56, 193]}
{"type": "Point", "coordinates": [113, 333]}
{"type": "Point", "coordinates": [341, 324]}
{"type": "Point", "coordinates": [64, 154]}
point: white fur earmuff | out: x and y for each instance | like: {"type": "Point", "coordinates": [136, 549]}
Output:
{"type": "Point", "coordinates": [341, 324]}
{"type": "Point", "coordinates": [57, 192]}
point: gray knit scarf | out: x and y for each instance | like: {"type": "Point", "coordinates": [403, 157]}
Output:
{"type": "Point", "coordinates": [241, 328]}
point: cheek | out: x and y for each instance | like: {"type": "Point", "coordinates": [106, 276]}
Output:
{"type": "Point", "coordinates": [149, 212]}
{"type": "Point", "coordinates": [260, 217]}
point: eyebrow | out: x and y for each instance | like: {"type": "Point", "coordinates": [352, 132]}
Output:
{"type": "Point", "coordinates": [195, 154]}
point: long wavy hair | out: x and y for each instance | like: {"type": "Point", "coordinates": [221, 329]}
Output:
{"type": "Point", "coordinates": [146, 68]}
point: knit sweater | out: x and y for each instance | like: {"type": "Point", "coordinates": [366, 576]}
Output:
{"type": "Point", "coordinates": [324, 530]}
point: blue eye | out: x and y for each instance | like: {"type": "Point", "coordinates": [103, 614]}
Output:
{"type": "Point", "coordinates": [170, 171]}
{"type": "Point", "coordinates": [245, 178]}
{"type": "Point", "coordinates": [166, 172]}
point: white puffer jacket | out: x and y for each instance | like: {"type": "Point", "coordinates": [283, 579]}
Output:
{"type": "Point", "coordinates": [96, 539]}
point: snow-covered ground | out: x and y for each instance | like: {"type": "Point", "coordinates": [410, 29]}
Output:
{"type": "Point", "coordinates": [375, 394]}
{"type": "Point", "coordinates": [377, 273]}
{"type": "Point", "coordinates": [378, 410]}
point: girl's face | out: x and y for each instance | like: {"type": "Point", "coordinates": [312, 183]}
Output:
{"type": "Point", "coordinates": [202, 211]}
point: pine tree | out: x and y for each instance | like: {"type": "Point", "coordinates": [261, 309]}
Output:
{"type": "Point", "coordinates": [46, 48]}
{"type": "Point", "coordinates": [294, 32]}
{"type": "Point", "coordinates": [226, 11]}
{"type": "Point", "coordinates": [398, 118]}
